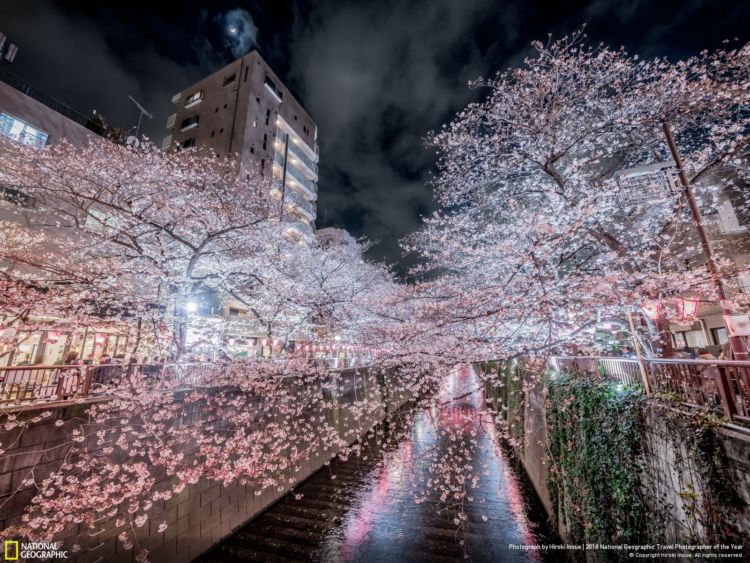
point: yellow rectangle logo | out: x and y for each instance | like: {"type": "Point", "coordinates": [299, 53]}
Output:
{"type": "Point", "coordinates": [11, 550]}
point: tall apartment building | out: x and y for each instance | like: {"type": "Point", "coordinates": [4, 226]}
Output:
{"type": "Point", "coordinates": [245, 109]}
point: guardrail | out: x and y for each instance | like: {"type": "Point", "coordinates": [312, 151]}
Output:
{"type": "Point", "coordinates": [31, 384]}
{"type": "Point", "coordinates": [26, 384]}
{"type": "Point", "coordinates": [713, 384]}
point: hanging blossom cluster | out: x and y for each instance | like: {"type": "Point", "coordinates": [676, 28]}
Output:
{"type": "Point", "coordinates": [540, 234]}
{"type": "Point", "coordinates": [137, 234]}
{"type": "Point", "coordinates": [535, 242]}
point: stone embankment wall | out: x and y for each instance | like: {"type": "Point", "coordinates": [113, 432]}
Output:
{"type": "Point", "coordinates": [693, 471]}
{"type": "Point", "coordinates": [198, 517]}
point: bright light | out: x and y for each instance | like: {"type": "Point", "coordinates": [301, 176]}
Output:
{"type": "Point", "coordinates": [232, 30]}
{"type": "Point", "coordinates": [191, 306]}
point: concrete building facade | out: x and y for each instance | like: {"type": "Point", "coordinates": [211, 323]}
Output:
{"type": "Point", "coordinates": [244, 109]}
{"type": "Point", "coordinates": [32, 117]}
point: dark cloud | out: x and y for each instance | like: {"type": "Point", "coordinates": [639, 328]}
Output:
{"type": "Point", "coordinates": [376, 76]}
{"type": "Point", "coordinates": [86, 66]}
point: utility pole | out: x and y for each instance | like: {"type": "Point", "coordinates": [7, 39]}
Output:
{"type": "Point", "coordinates": [738, 346]}
{"type": "Point", "coordinates": [283, 176]}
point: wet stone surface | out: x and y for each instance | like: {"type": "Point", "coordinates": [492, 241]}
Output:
{"type": "Point", "coordinates": [368, 511]}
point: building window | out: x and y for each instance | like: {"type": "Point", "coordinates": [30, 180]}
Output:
{"type": "Point", "coordinates": [305, 129]}
{"type": "Point", "coordinates": [194, 99]}
{"type": "Point", "coordinates": [216, 110]}
{"type": "Point", "coordinates": [257, 99]}
{"type": "Point", "coordinates": [268, 116]}
{"type": "Point", "coordinates": [221, 130]}
{"type": "Point", "coordinates": [720, 335]}
{"type": "Point", "coordinates": [252, 150]}
{"type": "Point", "coordinates": [15, 196]}
{"type": "Point", "coordinates": [265, 141]}
{"type": "Point", "coordinates": [21, 131]}
{"type": "Point", "coordinates": [262, 166]}
{"type": "Point", "coordinates": [213, 133]}
{"type": "Point", "coordinates": [255, 122]}
{"type": "Point", "coordinates": [229, 80]}
{"type": "Point", "coordinates": [225, 106]}
{"type": "Point", "coordinates": [189, 122]}
{"type": "Point", "coordinates": [187, 143]}
{"type": "Point", "coordinates": [275, 90]}
{"type": "Point", "coordinates": [245, 77]}
{"type": "Point", "coordinates": [234, 312]}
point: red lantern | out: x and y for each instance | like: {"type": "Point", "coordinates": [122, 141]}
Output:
{"type": "Point", "coordinates": [688, 308]}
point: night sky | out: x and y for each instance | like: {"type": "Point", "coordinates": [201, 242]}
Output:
{"type": "Point", "coordinates": [375, 75]}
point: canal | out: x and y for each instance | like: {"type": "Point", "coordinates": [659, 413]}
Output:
{"type": "Point", "coordinates": [446, 490]}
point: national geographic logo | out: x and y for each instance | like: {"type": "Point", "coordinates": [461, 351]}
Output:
{"type": "Point", "coordinates": [13, 550]}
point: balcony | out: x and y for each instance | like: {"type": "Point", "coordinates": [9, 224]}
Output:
{"type": "Point", "coordinates": [294, 138]}
{"type": "Point", "coordinates": [166, 142]}
{"type": "Point", "coordinates": [170, 121]}
{"type": "Point", "coordinates": [302, 158]}
{"type": "Point", "coordinates": [302, 229]}
{"type": "Point", "coordinates": [307, 208]}
{"type": "Point", "coordinates": [176, 98]}
{"type": "Point", "coordinates": [297, 180]}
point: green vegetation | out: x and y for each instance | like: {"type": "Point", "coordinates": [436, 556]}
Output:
{"type": "Point", "coordinates": [595, 435]}
{"type": "Point", "coordinates": [601, 436]}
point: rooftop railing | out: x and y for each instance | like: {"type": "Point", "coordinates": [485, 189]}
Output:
{"type": "Point", "coordinates": [50, 102]}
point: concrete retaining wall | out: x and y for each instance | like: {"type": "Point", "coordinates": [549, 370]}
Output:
{"type": "Point", "coordinates": [198, 517]}
{"type": "Point", "coordinates": [671, 477]}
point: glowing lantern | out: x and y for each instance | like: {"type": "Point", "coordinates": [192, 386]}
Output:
{"type": "Point", "coordinates": [687, 308]}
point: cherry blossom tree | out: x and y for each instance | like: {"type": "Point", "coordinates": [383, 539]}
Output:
{"type": "Point", "coordinates": [536, 241]}
{"type": "Point", "coordinates": [537, 236]}
{"type": "Point", "coordinates": [138, 229]}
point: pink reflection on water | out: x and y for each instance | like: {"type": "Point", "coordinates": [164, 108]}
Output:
{"type": "Point", "coordinates": [512, 487]}
{"type": "Point", "coordinates": [394, 468]}
{"type": "Point", "coordinates": [400, 466]}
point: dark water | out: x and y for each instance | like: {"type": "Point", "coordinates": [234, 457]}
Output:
{"type": "Point", "coordinates": [368, 512]}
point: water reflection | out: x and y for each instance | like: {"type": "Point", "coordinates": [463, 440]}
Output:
{"type": "Point", "coordinates": [384, 522]}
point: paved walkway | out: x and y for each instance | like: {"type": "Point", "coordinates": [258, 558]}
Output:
{"type": "Point", "coordinates": [368, 512]}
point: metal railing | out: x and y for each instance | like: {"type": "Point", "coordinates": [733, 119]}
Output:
{"type": "Point", "coordinates": [299, 153]}
{"type": "Point", "coordinates": [720, 385]}
{"type": "Point", "coordinates": [21, 385]}
{"type": "Point", "coordinates": [31, 384]}
{"type": "Point", "coordinates": [296, 199]}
